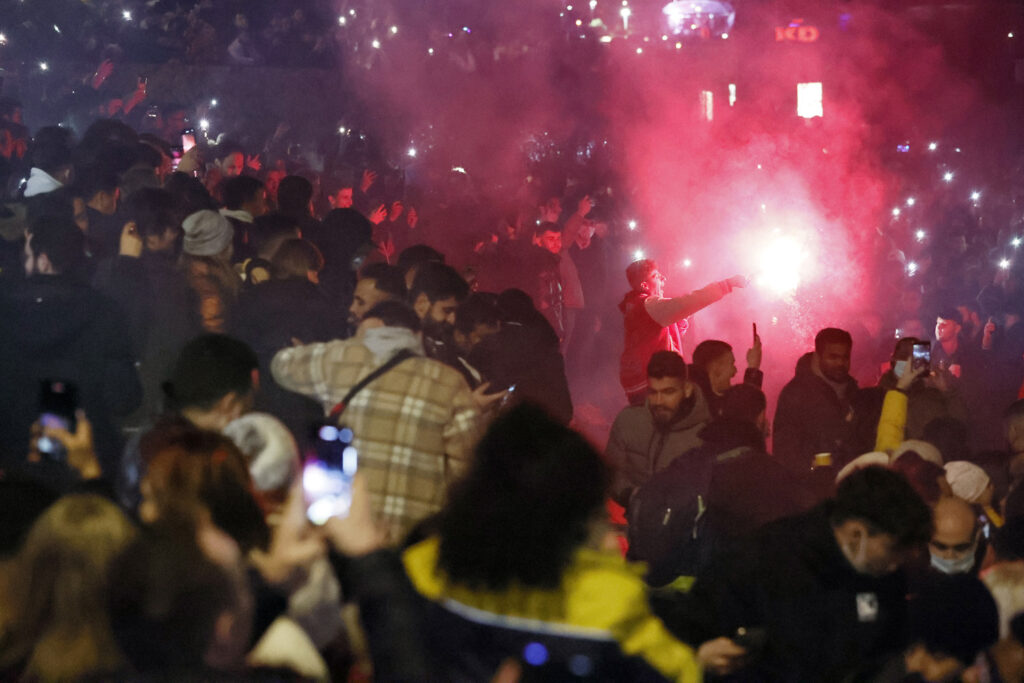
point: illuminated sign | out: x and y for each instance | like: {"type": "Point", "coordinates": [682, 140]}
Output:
{"type": "Point", "coordinates": [797, 32]}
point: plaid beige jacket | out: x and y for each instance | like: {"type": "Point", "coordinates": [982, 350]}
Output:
{"type": "Point", "coordinates": [415, 426]}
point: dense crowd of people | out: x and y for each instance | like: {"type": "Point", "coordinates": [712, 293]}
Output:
{"type": "Point", "coordinates": [190, 339]}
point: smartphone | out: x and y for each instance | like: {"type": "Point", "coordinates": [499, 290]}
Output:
{"type": "Point", "coordinates": [921, 356]}
{"type": "Point", "coordinates": [328, 472]}
{"type": "Point", "coordinates": [58, 400]}
{"type": "Point", "coordinates": [176, 154]}
{"type": "Point", "coordinates": [188, 139]}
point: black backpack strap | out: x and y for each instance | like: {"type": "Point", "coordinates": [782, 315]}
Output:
{"type": "Point", "coordinates": [337, 410]}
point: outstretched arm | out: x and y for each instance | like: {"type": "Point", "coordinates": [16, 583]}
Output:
{"type": "Point", "coordinates": [668, 311]}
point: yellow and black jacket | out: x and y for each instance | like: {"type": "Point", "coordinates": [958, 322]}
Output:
{"type": "Point", "coordinates": [596, 626]}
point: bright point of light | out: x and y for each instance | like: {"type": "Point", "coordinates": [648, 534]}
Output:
{"type": "Point", "coordinates": [127, 15]}
{"type": "Point", "coordinates": [56, 28]}
{"type": "Point", "coordinates": [632, 225]}
{"type": "Point", "coordinates": [568, 8]}
{"type": "Point", "coordinates": [911, 268]}
{"type": "Point", "coordinates": [1015, 241]}
{"type": "Point", "coordinates": [1010, 34]}
{"type": "Point", "coordinates": [593, 5]}
{"type": "Point", "coordinates": [664, 37]}
{"type": "Point", "coordinates": [375, 44]}
{"type": "Point", "coordinates": [780, 264]}
{"type": "Point", "coordinates": [351, 12]}
{"type": "Point", "coordinates": [957, 150]}
{"type": "Point", "coordinates": [605, 39]}
{"type": "Point", "coordinates": [638, 254]}
{"type": "Point", "coordinates": [213, 102]}
{"type": "Point", "coordinates": [679, 46]}
{"type": "Point", "coordinates": [204, 124]}
{"type": "Point", "coordinates": [895, 212]}
{"type": "Point", "coordinates": [44, 66]}
{"type": "Point", "coordinates": [920, 235]}
{"type": "Point", "coordinates": [394, 30]}
{"type": "Point", "coordinates": [342, 21]}
{"type": "Point", "coordinates": [725, 36]}
{"type": "Point", "coordinates": [579, 22]}
{"type": "Point", "coordinates": [412, 152]}
{"type": "Point", "coordinates": [975, 196]}
{"type": "Point", "coordinates": [639, 50]}
{"type": "Point", "coordinates": [759, 167]}
{"type": "Point", "coordinates": [911, 201]}
{"type": "Point", "coordinates": [687, 263]}
{"type": "Point", "coordinates": [948, 177]}
{"type": "Point", "coordinates": [1004, 264]}
{"type": "Point", "coordinates": [932, 146]}
{"type": "Point", "coordinates": [458, 169]}
{"type": "Point", "coordinates": [3, 39]}
{"type": "Point", "coordinates": [343, 130]}
{"type": "Point", "coordinates": [430, 50]}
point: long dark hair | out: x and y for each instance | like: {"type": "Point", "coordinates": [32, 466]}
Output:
{"type": "Point", "coordinates": [524, 506]}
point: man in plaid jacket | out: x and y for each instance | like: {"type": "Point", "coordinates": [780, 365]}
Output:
{"type": "Point", "coordinates": [415, 426]}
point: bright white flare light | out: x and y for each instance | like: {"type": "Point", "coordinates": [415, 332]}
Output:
{"type": "Point", "coordinates": [632, 225]}
{"type": "Point", "coordinates": [780, 264]}
{"type": "Point", "coordinates": [127, 15]}
{"type": "Point", "coordinates": [895, 212]}
{"type": "Point", "coordinates": [638, 254]}
{"type": "Point", "coordinates": [920, 235]}
{"type": "Point", "coordinates": [412, 152]}
{"type": "Point", "coordinates": [1015, 241]}
{"type": "Point", "coordinates": [687, 263]}
{"type": "Point", "coordinates": [911, 269]}
{"type": "Point", "coordinates": [394, 30]}
{"type": "Point", "coordinates": [342, 21]}
{"type": "Point", "coordinates": [975, 196]}
{"type": "Point", "coordinates": [204, 124]}
{"type": "Point", "coordinates": [948, 176]}
{"type": "Point", "coordinates": [625, 12]}
{"type": "Point", "coordinates": [43, 66]}
{"type": "Point", "coordinates": [911, 201]}
{"type": "Point", "coordinates": [375, 44]}
{"type": "Point", "coordinates": [213, 103]}
{"type": "Point", "coordinates": [1004, 264]}
{"type": "Point", "coordinates": [932, 146]}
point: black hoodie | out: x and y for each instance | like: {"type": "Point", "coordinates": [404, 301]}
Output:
{"type": "Point", "coordinates": [56, 328]}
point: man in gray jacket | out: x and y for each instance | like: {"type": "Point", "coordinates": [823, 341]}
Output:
{"type": "Point", "coordinates": [645, 439]}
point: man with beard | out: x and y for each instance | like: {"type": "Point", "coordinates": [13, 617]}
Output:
{"type": "Point", "coordinates": [377, 282]}
{"type": "Point", "coordinates": [435, 295]}
{"type": "Point", "coordinates": [645, 439]}
{"type": "Point", "coordinates": [815, 418]}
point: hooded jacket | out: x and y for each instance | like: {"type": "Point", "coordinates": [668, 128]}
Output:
{"type": "Point", "coordinates": [811, 418]}
{"type": "Point", "coordinates": [56, 328]}
{"type": "Point", "coordinates": [638, 447]}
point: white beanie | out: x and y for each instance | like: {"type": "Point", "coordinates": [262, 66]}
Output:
{"type": "Point", "coordinates": [967, 480]}
{"type": "Point", "coordinates": [207, 233]}
{"type": "Point", "coordinates": [269, 448]}
{"type": "Point", "coordinates": [862, 461]}
{"type": "Point", "coordinates": [926, 450]}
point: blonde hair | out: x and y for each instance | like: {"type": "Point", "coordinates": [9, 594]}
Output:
{"type": "Point", "coordinates": [54, 611]}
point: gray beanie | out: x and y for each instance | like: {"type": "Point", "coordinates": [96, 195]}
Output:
{"type": "Point", "coordinates": [207, 233]}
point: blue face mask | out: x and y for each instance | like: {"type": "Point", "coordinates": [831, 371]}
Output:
{"type": "Point", "coordinates": [961, 565]}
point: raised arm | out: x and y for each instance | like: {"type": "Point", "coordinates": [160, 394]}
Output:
{"type": "Point", "coordinates": [668, 311]}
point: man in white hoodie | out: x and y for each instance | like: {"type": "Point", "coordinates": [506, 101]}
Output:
{"type": "Point", "coordinates": [414, 426]}
{"type": "Point", "coordinates": [50, 156]}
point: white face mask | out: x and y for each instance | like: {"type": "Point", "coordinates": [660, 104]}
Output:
{"type": "Point", "coordinates": [960, 565]}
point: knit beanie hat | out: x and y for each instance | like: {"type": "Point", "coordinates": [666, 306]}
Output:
{"type": "Point", "coordinates": [865, 460]}
{"type": "Point", "coordinates": [926, 450]}
{"type": "Point", "coordinates": [967, 480]}
{"type": "Point", "coordinates": [207, 233]}
{"type": "Point", "coordinates": [269, 448]}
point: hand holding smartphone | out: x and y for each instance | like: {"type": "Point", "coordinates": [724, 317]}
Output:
{"type": "Point", "coordinates": [58, 400]}
{"type": "Point", "coordinates": [327, 474]}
